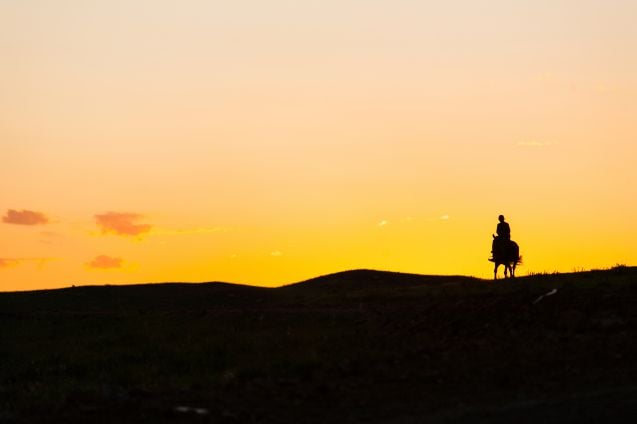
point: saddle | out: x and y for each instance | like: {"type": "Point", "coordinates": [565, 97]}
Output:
{"type": "Point", "coordinates": [501, 247]}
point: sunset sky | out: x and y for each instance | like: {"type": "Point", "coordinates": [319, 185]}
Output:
{"type": "Point", "coordinates": [267, 142]}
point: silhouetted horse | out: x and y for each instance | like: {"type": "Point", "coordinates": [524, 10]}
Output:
{"type": "Point", "coordinates": [507, 253]}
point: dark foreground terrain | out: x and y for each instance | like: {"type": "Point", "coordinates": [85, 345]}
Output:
{"type": "Point", "coordinates": [360, 346]}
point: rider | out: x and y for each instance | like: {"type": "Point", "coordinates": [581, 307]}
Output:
{"type": "Point", "coordinates": [503, 231]}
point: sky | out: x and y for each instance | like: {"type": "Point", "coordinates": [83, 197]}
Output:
{"type": "Point", "coordinates": [270, 142]}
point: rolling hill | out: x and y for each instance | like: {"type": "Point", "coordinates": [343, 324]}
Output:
{"type": "Point", "coordinates": [357, 346]}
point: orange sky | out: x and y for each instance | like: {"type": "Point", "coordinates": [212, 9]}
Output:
{"type": "Point", "coordinates": [269, 142]}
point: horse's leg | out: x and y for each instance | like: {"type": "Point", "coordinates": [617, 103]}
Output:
{"type": "Point", "coordinates": [495, 271]}
{"type": "Point", "coordinates": [513, 270]}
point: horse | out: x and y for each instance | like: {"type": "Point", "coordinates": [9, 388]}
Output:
{"type": "Point", "coordinates": [507, 253]}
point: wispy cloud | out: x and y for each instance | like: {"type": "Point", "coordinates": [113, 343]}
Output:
{"type": "Point", "coordinates": [383, 223]}
{"type": "Point", "coordinates": [25, 217]}
{"type": "Point", "coordinates": [8, 263]}
{"type": "Point", "coordinates": [122, 224]}
{"type": "Point", "coordinates": [105, 262]}
{"type": "Point", "coordinates": [51, 234]}
{"type": "Point", "coordinates": [534, 143]}
{"type": "Point", "coordinates": [441, 218]}
{"type": "Point", "coordinates": [50, 237]}
{"type": "Point", "coordinates": [190, 231]}
{"type": "Point", "coordinates": [276, 253]}
{"type": "Point", "coordinates": [13, 262]}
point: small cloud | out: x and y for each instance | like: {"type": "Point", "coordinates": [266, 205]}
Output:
{"type": "Point", "coordinates": [8, 263]}
{"type": "Point", "coordinates": [199, 230]}
{"type": "Point", "coordinates": [122, 224]}
{"type": "Point", "coordinates": [605, 88]}
{"type": "Point", "coordinates": [445, 218]}
{"type": "Point", "coordinates": [50, 237]}
{"type": "Point", "coordinates": [13, 262]}
{"type": "Point", "coordinates": [25, 217]}
{"type": "Point", "coordinates": [105, 262]}
{"type": "Point", "coordinates": [534, 144]}
{"type": "Point", "coordinates": [383, 223]}
{"type": "Point", "coordinates": [276, 253]}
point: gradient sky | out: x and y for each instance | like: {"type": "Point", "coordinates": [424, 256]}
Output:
{"type": "Point", "coordinates": [266, 142]}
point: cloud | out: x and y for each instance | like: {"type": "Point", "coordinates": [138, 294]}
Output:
{"type": "Point", "coordinates": [105, 262]}
{"type": "Point", "coordinates": [199, 230]}
{"type": "Point", "coordinates": [122, 224]}
{"type": "Point", "coordinates": [51, 234]}
{"type": "Point", "coordinates": [383, 223]}
{"type": "Point", "coordinates": [13, 262]}
{"type": "Point", "coordinates": [534, 144]}
{"type": "Point", "coordinates": [441, 218]}
{"type": "Point", "coordinates": [25, 217]}
{"type": "Point", "coordinates": [276, 253]}
{"type": "Point", "coordinates": [8, 263]}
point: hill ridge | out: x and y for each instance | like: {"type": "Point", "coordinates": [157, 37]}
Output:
{"type": "Point", "coordinates": [352, 277]}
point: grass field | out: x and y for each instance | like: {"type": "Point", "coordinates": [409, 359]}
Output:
{"type": "Point", "coordinates": [359, 346]}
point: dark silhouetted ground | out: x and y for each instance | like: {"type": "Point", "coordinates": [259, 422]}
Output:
{"type": "Point", "coordinates": [355, 347]}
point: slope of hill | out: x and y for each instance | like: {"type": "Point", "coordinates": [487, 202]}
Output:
{"type": "Point", "coordinates": [160, 296]}
{"type": "Point", "coordinates": [364, 279]}
{"type": "Point", "coordinates": [359, 346]}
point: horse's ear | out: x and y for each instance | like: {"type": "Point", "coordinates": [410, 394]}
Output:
{"type": "Point", "coordinates": [493, 235]}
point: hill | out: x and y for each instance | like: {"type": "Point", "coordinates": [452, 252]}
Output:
{"type": "Point", "coordinates": [358, 346]}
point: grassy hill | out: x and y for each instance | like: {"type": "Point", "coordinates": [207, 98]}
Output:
{"type": "Point", "coordinates": [358, 346]}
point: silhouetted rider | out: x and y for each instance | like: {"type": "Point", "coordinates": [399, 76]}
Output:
{"type": "Point", "coordinates": [503, 229]}
{"type": "Point", "coordinates": [504, 233]}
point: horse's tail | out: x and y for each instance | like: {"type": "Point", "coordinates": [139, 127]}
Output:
{"type": "Point", "coordinates": [515, 253]}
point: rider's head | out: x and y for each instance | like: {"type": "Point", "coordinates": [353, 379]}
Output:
{"type": "Point", "coordinates": [501, 218]}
